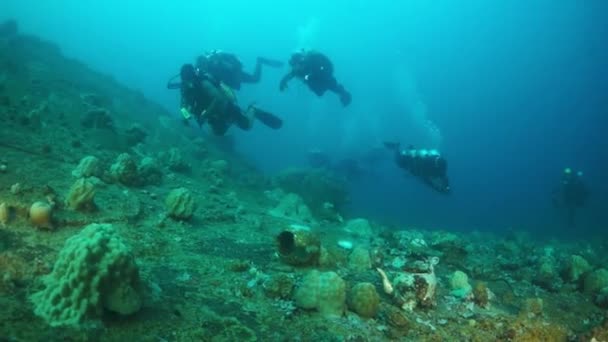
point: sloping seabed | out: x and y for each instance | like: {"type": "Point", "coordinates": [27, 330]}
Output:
{"type": "Point", "coordinates": [208, 263]}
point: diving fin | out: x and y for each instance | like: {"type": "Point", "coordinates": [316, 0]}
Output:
{"type": "Point", "coordinates": [273, 63]}
{"type": "Point", "coordinates": [268, 119]}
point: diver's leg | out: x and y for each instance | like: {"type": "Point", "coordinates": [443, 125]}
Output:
{"type": "Point", "coordinates": [268, 119]}
{"type": "Point", "coordinates": [219, 127]}
{"type": "Point", "coordinates": [570, 217]}
{"type": "Point", "coordinates": [337, 88]}
{"type": "Point", "coordinates": [243, 121]}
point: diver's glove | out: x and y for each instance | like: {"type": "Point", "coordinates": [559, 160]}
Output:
{"type": "Point", "coordinates": [345, 98]}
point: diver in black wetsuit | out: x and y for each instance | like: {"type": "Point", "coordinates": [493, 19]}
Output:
{"type": "Point", "coordinates": [210, 101]}
{"type": "Point", "coordinates": [227, 68]}
{"type": "Point", "coordinates": [571, 195]}
{"type": "Point", "coordinates": [316, 70]}
{"type": "Point", "coordinates": [427, 165]}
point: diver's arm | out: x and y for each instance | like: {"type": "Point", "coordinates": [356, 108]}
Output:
{"type": "Point", "coordinates": [174, 85]}
{"type": "Point", "coordinates": [256, 76]}
{"type": "Point", "coordinates": [249, 78]}
{"type": "Point", "coordinates": [285, 80]}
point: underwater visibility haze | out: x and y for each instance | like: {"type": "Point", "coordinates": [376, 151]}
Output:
{"type": "Point", "coordinates": [303, 170]}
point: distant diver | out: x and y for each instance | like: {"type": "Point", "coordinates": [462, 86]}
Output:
{"type": "Point", "coordinates": [571, 195]}
{"type": "Point", "coordinates": [427, 165]}
{"type": "Point", "coordinates": [213, 102]}
{"type": "Point", "coordinates": [316, 71]}
{"type": "Point", "coordinates": [228, 69]}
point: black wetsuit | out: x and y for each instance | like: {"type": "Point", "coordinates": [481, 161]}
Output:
{"type": "Point", "coordinates": [574, 195]}
{"type": "Point", "coordinates": [227, 68]}
{"type": "Point", "coordinates": [430, 168]}
{"type": "Point", "coordinates": [208, 101]}
{"type": "Point", "coordinates": [316, 70]}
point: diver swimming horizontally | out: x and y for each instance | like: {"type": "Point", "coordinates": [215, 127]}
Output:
{"type": "Point", "coordinates": [227, 68]}
{"type": "Point", "coordinates": [317, 72]}
{"type": "Point", "coordinates": [211, 101]}
{"type": "Point", "coordinates": [571, 195]}
{"type": "Point", "coordinates": [427, 165]}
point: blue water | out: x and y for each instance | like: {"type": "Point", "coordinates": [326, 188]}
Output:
{"type": "Point", "coordinates": [510, 91]}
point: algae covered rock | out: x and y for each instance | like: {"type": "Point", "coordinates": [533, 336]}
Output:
{"type": "Point", "coordinates": [575, 268]}
{"type": "Point", "coordinates": [316, 187]}
{"type": "Point", "coordinates": [175, 161]}
{"type": "Point", "coordinates": [359, 227]}
{"type": "Point", "coordinates": [323, 291]}
{"type": "Point", "coordinates": [149, 171]}
{"type": "Point", "coordinates": [88, 167]}
{"type": "Point", "coordinates": [81, 195]}
{"type": "Point", "coordinates": [359, 259]}
{"type": "Point", "coordinates": [95, 271]}
{"type": "Point", "coordinates": [459, 283]}
{"type": "Point", "coordinates": [124, 170]}
{"type": "Point", "coordinates": [596, 281]}
{"type": "Point", "coordinates": [180, 204]}
{"type": "Point", "coordinates": [364, 300]}
{"type": "Point", "coordinates": [291, 206]}
{"type": "Point", "coordinates": [279, 285]}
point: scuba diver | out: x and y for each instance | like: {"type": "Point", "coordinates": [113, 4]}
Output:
{"type": "Point", "coordinates": [316, 70]}
{"type": "Point", "coordinates": [571, 195]}
{"type": "Point", "coordinates": [213, 102]}
{"type": "Point", "coordinates": [428, 165]}
{"type": "Point", "coordinates": [228, 69]}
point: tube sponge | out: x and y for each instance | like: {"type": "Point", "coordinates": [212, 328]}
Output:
{"type": "Point", "coordinates": [95, 271]}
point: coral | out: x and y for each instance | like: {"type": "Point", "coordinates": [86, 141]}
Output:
{"type": "Point", "coordinates": [88, 167]}
{"type": "Point", "coordinates": [548, 276]}
{"type": "Point", "coordinates": [596, 281]}
{"type": "Point", "coordinates": [81, 195]}
{"type": "Point", "coordinates": [124, 170]}
{"type": "Point", "coordinates": [364, 300]}
{"type": "Point", "coordinates": [41, 215]}
{"type": "Point", "coordinates": [602, 298]}
{"type": "Point", "coordinates": [5, 214]}
{"type": "Point", "coordinates": [359, 259]}
{"type": "Point", "coordinates": [12, 271]}
{"type": "Point", "coordinates": [95, 271]}
{"type": "Point", "coordinates": [180, 204]}
{"type": "Point", "coordinates": [459, 283]}
{"type": "Point", "coordinates": [526, 330]}
{"type": "Point", "coordinates": [481, 297]}
{"type": "Point", "coordinates": [149, 171]}
{"type": "Point", "coordinates": [220, 165]}
{"type": "Point", "coordinates": [575, 268]}
{"type": "Point", "coordinates": [97, 118]}
{"type": "Point", "coordinates": [533, 307]}
{"type": "Point", "coordinates": [135, 135]}
{"type": "Point", "coordinates": [279, 286]}
{"type": "Point", "coordinates": [292, 206]}
{"type": "Point", "coordinates": [324, 291]}
{"type": "Point", "coordinates": [315, 187]}
{"type": "Point", "coordinates": [175, 161]}
{"type": "Point", "coordinates": [359, 228]}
